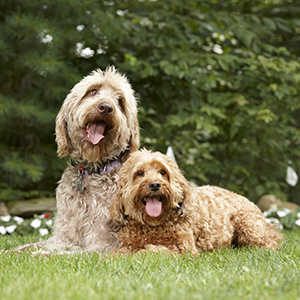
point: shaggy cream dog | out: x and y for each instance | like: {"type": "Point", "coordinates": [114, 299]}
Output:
{"type": "Point", "coordinates": [160, 212]}
{"type": "Point", "coordinates": [97, 127]}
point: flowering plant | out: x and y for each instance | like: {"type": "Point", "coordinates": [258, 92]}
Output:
{"type": "Point", "coordinates": [40, 224]}
{"type": "Point", "coordinates": [284, 217]}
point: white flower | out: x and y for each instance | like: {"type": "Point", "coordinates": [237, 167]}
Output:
{"type": "Point", "coordinates": [43, 231]}
{"type": "Point", "coordinates": [268, 212]}
{"type": "Point", "coordinates": [19, 220]}
{"type": "Point", "coordinates": [86, 52]}
{"type": "Point", "coordinates": [36, 223]}
{"type": "Point", "coordinates": [297, 222]}
{"type": "Point", "coordinates": [298, 215]}
{"type": "Point", "coordinates": [49, 223]}
{"type": "Point", "coordinates": [5, 218]}
{"type": "Point", "coordinates": [222, 37]}
{"type": "Point", "coordinates": [80, 27]}
{"type": "Point", "coordinates": [47, 39]}
{"type": "Point", "coordinates": [41, 216]}
{"type": "Point", "coordinates": [280, 226]}
{"type": "Point", "coordinates": [217, 49]}
{"type": "Point", "coordinates": [281, 213]}
{"type": "Point", "coordinates": [11, 228]}
{"type": "Point", "coordinates": [233, 42]}
{"type": "Point", "coordinates": [2, 230]}
{"type": "Point", "coordinates": [272, 221]}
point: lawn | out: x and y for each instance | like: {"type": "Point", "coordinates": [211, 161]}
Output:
{"type": "Point", "coordinates": [240, 273]}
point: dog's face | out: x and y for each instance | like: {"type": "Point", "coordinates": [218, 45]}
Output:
{"type": "Point", "coordinates": [98, 119]}
{"type": "Point", "coordinates": [149, 188]}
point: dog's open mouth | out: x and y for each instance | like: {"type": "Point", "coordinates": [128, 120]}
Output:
{"type": "Point", "coordinates": [153, 206]}
{"type": "Point", "coordinates": [94, 132]}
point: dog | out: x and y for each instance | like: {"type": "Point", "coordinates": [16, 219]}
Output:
{"type": "Point", "coordinates": [160, 212]}
{"type": "Point", "coordinates": [97, 127]}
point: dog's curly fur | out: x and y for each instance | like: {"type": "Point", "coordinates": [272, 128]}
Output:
{"type": "Point", "coordinates": [188, 219]}
{"type": "Point", "coordinates": [102, 102]}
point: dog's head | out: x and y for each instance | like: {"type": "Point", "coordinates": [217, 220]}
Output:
{"type": "Point", "coordinates": [150, 187]}
{"type": "Point", "coordinates": [98, 119]}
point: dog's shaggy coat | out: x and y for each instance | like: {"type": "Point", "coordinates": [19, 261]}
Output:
{"type": "Point", "coordinates": [160, 212]}
{"type": "Point", "coordinates": [97, 127]}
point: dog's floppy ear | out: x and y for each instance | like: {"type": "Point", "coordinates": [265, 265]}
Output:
{"type": "Point", "coordinates": [61, 132]}
{"type": "Point", "coordinates": [132, 121]}
{"type": "Point", "coordinates": [134, 142]}
{"type": "Point", "coordinates": [186, 204]}
{"type": "Point", "coordinates": [117, 210]}
{"type": "Point", "coordinates": [182, 190]}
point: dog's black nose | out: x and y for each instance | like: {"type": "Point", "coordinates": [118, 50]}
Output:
{"type": "Point", "coordinates": [105, 108]}
{"type": "Point", "coordinates": [154, 186]}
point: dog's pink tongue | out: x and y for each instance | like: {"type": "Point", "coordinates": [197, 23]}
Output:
{"type": "Point", "coordinates": [96, 131]}
{"type": "Point", "coordinates": [153, 207]}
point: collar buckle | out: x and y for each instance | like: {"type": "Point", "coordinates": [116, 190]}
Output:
{"type": "Point", "coordinates": [79, 184]}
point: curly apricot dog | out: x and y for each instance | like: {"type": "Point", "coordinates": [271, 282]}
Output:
{"type": "Point", "coordinates": [97, 127]}
{"type": "Point", "coordinates": [162, 213]}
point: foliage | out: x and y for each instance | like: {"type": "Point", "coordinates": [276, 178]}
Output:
{"type": "Point", "coordinates": [41, 225]}
{"type": "Point", "coordinates": [217, 80]}
{"type": "Point", "coordinates": [284, 218]}
{"type": "Point", "coordinates": [242, 273]}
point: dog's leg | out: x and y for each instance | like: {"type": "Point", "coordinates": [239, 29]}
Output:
{"type": "Point", "coordinates": [251, 229]}
{"type": "Point", "coordinates": [147, 249]}
{"type": "Point", "coordinates": [52, 244]}
{"type": "Point", "coordinates": [54, 252]}
{"type": "Point", "coordinates": [186, 241]}
{"type": "Point", "coordinates": [156, 249]}
{"type": "Point", "coordinates": [26, 247]}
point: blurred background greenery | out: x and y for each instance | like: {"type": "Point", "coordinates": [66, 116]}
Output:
{"type": "Point", "coordinates": [217, 80]}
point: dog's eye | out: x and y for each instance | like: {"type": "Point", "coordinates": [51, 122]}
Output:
{"type": "Point", "coordinates": [140, 173]}
{"type": "Point", "coordinates": [163, 172]}
{"type": "Point", "coordinates": [93, 92]}
{"type": "Point", "coordinates": [120, 102]}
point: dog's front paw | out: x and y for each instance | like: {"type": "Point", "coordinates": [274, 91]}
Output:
{"type": "Point", "coordinates": [41, 253]}
{"type": "Point", "coordinates": [26, 247]}
{"type": "Point", "coordinates": [156, 249]}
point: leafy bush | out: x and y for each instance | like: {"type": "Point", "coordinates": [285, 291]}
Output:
{"type": "Point", "coordinates": [284, 218]}
{"type": "Point", "coordinates": [41, 224]}
{"type": "Point", "coordinates": [217, 80]}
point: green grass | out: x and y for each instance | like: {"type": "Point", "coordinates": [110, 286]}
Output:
{"type": "Point", "coordinates": [225, 274]}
